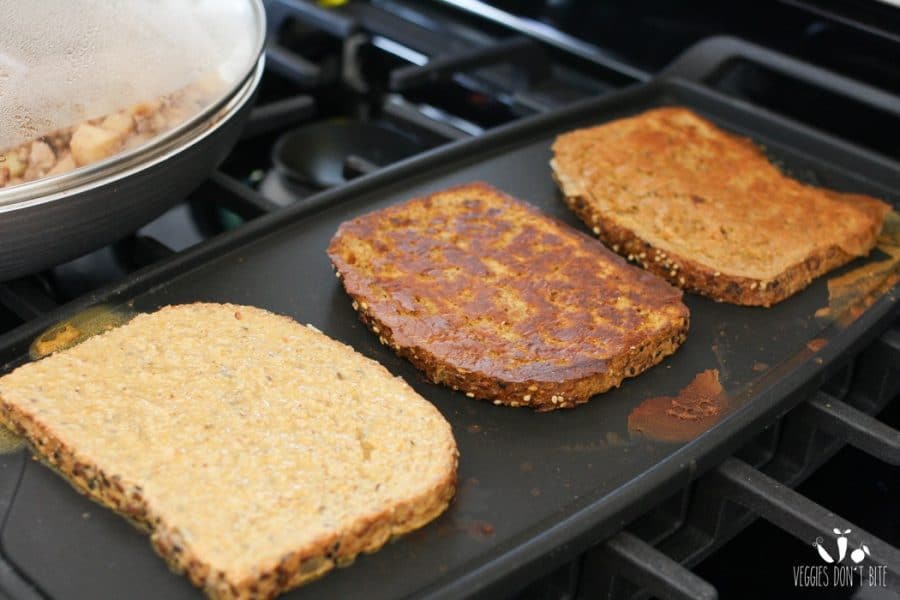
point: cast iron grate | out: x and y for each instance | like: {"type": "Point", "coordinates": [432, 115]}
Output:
{"type": "Point", "coordinates": [652, 555]}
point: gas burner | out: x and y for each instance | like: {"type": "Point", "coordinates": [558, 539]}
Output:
{"type": "Point", "coordinates": [329, 153]}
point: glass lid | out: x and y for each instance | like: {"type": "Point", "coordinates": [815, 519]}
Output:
{"type": "Point", "coordinates": [85, 81]}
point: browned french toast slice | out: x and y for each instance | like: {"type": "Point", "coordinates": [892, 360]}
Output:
{"type": "Point", "coordinates": [488, 296]}
{"type": "Point", "coordinates": [706, 209]}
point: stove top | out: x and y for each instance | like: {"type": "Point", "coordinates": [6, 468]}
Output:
{"type": "Point", "coordinates": [360, 86]}
{"type": "Point", "coordinates": [365, 84]}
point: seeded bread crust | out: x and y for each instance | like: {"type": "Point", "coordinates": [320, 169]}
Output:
{"type": "Point", "coordinates": [435, 234]}
{"type": "Point", "coordinates": [706, 210]}
{"type": "Point", "coordinates": [366, 534]}
{"type": "Point", "coordinates": [542, 396]}
{"type": "Point", "coordinates": [694, 277]}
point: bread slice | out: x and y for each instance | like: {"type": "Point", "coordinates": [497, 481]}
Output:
{"type": "Point", "coordinates": [706, 210]}
{"type": "Point", "coordinates": [259, 453]}
{"type": "Point", "coordinates": [488, 296]}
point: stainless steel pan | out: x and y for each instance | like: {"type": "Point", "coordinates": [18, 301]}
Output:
{"type": "Point", "coordinates": [54, 219]}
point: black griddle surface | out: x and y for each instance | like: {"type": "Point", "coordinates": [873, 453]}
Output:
{"type": "Point", "coordinates": [535, 489]}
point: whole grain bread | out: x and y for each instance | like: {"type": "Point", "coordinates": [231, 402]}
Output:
{"type": "Point", "coordinates": [258, 453]}
{"type": "Point", "coordinates": [706, 209]}
{"type": "Point", "coordinates": [490, 297]}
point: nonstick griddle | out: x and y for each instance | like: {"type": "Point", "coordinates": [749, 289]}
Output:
{"type": "Point", "coordinates": [535, 489]}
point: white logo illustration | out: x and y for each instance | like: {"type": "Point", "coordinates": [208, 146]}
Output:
{"type": "Point", "coordinates": [841, 568]}
{"type": "Point", "coordinates": [857, 556]}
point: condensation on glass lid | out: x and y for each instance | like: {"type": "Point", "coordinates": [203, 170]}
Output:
{"type": "Point", "coordinates": [83, 79]}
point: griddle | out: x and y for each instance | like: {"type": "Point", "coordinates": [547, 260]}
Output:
{"type": "Point", "coordinates": [535, 490]}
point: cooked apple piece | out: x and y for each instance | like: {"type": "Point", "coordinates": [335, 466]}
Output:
{"type": "Point", "coordinates": [91, 143]}
{"type": "Point", "coordinates": [120, 122]}
{"type": "Point", "coordinates": [15, 162]}
{"type": "Point", "coordinates": [64, 164]}
{"type": "Point", "coordinates": [40, 160]}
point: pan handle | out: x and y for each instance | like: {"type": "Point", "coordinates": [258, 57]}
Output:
{"type": "Point", "coordinates": [704, 60]}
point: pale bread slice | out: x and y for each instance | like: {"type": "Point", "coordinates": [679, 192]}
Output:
{"type": "Point", "coordinates": [258, 452]}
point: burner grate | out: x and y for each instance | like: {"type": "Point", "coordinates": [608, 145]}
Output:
{"type": "Point", "coordinates": [653, 554]}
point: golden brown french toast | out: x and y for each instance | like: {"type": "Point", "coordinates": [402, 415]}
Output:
{"type": "Point", "coordinates": [706, 209]}
{"type": "Point", "coordinates": [488, 296]}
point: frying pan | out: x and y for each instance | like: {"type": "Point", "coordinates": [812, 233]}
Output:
{"type": "Point", "coordinates": [58, 218]}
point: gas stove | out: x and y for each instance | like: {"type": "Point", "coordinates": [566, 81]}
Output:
{"type": "Point", "coordinates": [357, 87]}
{"type": "Point", "coordinates": [352, 88]}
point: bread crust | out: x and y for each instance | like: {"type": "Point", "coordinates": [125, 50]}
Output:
{"type": "Point", "coordinates": [706, 210]}
{"type": "Point", "coordinates": [543, 387]}
{"type": "Point", "coordinates": [694, 277]}
{"type": "Point", "coordinates": [543, 396]}
{"type": "Point", "coordinates": [339, 548]}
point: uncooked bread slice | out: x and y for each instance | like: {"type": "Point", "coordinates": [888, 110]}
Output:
{"type": "Point", "coordinates": [258, 452]}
